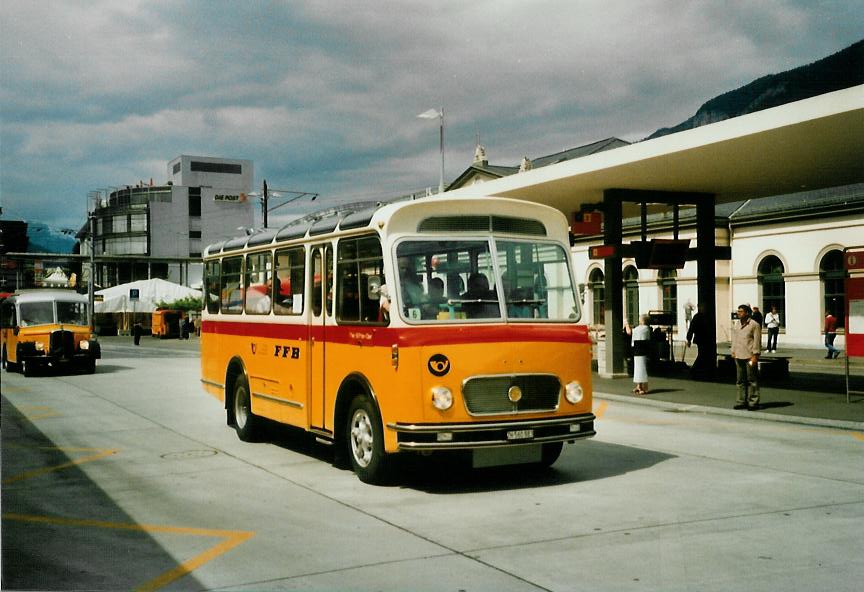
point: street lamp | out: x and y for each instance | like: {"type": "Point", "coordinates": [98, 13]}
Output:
{"type": "Point", "coordinates": [267, 194]}
{"type": "Point", "coordinates": [438, 114]}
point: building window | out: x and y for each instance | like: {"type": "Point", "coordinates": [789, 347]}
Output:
{"type": "Point", "coordinates": [668, 281]}
{"type": "Point", "coordinates": [119, 224]}
{"type": "Point", "coordinates": [596, 283]}
{"type": "Point", "coordinates": [215, 167]}
{"type": "Point", "coordinates": [631, 295]}
{"type": "Point", "coordinates": [138, 222]}
{"type": "Point", "coordinates": [832, 275]}
{"type": "Point", "coordinates": [195, 201]}
{"type": "Point", "coordinates": [770, 278]}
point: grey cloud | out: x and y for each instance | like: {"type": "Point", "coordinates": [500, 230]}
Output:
{"type": "Point", "coordinates": [323, 95]}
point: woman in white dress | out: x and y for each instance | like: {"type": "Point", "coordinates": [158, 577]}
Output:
{"type": "Point", "coordinates": [641, 344]}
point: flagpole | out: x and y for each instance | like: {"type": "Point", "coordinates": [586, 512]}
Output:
{"type": "Point", "coordinates": [441, 180]}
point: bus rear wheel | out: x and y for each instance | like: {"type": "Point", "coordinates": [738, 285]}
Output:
{"type": "Point", "coordinates": [366, 441]}
{"type": "Point", "coordinates": [246, 423]}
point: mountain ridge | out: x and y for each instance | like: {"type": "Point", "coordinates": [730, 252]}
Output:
{"type": "Point", "coordinates": [840, 70]}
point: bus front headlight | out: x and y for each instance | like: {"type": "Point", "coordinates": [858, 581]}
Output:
{"type": "Point", "coordinates": [573, 392]}
{"type": "Point", "coordinates": [442, 398]}
{"type": "Point", "coordinates": [84, 345]}
{"type": "Point", "coordinates": [39, 346]}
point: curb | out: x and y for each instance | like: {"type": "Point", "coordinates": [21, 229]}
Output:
{"type": "Point", "coordinates": [839, 424]}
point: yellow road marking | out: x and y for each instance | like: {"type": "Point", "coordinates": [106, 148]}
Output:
{"type": "Point", "coordinates": [99, 453]}
{"type": "Point", "coordinates": [232, 539]}
{"type": "Point", "coordinates": [600, 408]}
{"type": "Point", "coordinates": [858, 435]}
{"type": "Point", "coordinates": [16, 389]}
{"type": "Point", "coordinates": [33, 412]}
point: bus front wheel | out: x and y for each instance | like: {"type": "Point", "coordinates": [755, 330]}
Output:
{"type": "Point", "coordinates": [246, 423]}
{"type": "Point", "coordinates": [550, 453]}
{"type": "Point", "coordinates": [366, 441]}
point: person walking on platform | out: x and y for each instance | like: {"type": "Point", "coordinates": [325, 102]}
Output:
{"type": "Point", "coordinates": [830, 334]}
{"type": "Point", "coordinates": [746, 347]}
{"type": "Point", "coordinates": [772, 321]}
{"type": "Point", "coordinates": [641, 349]}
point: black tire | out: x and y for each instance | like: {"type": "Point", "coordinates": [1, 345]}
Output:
{"type": "Point", "coordinates": [550, 453]}
{"type": "Point", "coordinates": [246, 423]}
{"type": "Point", "coordinates": [26, 368]}
{"type": "Point", "coordinates": [89, 367]}
{"type": "Point", "coordinates": [4, 362]}
{"type": "Point", "coordinates": [365, 442]}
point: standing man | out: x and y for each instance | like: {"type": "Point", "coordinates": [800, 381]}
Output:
{"type": "Point", "coordinates": [772, 321]}
{"type": "Point", "coordinates": [830, 334]}
{"type": "Point", "coordinates": [746, 347]}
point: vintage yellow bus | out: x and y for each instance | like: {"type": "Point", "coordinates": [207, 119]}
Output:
{"type": "Point", "coordinates": [47, 328]}
{"type": "Point", "coordinates": [431, 325]}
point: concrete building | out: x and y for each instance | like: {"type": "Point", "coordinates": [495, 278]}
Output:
{"type": "Point", "coordinates": [145, 231]}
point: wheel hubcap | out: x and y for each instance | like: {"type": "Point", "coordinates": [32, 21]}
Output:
{"type": "Point", "coordinates": [241, 408]}
{"type": "Point", "coordinates": [361, 438]}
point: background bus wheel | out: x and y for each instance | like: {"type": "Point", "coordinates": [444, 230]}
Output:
{"type": "Point", "coordinates": [550, 453]}
{"type": "Point", "coordinates": [366, 441]}
{"type": "Point", "coordinates": [26, 368]}
{"type": "Point", "coordinates": [89, 367]}
{"type": "Point", "coordinates": [246, 423]}
{"type": "Point", "coordinates": [7, 366]}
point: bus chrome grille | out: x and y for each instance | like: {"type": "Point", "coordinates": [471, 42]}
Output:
{"type": "Point", "coordinates": [62, 344]}
{"type": "Point", "coordinates": [489, 395]}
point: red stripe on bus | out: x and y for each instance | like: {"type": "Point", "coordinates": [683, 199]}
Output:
{"type": "Point", "coordinates": [406, 337]}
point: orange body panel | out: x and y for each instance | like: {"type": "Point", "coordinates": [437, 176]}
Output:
{"type": "Point", "coordinates": [279, 361]}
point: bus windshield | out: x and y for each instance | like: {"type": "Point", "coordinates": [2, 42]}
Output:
{"type": "Point", "coordinates": [447, 280]}
{"type": "Point", "coordinates": [71, 313]}
{"type": "Point", "coordinates": [37, 313]}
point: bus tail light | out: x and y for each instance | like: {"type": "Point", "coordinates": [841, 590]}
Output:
{"type": "Point", "coordinates": [442, 398]}
{"type": "Point", "coordinates": [573, 392]}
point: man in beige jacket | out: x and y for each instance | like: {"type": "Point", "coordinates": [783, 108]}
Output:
{"type": "Point", "coordinates": [746, 347]}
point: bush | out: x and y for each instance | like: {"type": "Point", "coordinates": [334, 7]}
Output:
{"type": "Point", "coordinates": [185, 304]}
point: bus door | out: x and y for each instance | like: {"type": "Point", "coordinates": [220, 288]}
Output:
{"type": "Point", "coordinates": [321, 281]}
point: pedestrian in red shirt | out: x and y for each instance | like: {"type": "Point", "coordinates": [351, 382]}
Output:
{"type": "Point", "coordinates": [830, 334]}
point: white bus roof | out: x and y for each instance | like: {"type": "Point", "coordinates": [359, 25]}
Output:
{"type": "Point", "coordinates": [397, 218]}
{"type": "Point", "coordinates": [45, 295]}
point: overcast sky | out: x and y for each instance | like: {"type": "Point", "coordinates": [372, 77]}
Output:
{"type": "Point", "coordinates": [323, 95]}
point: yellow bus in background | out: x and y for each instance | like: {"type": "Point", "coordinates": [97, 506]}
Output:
{"type": "Point", "coordinates": [46, 328]}
{"type": "Point", "coordinates": [433, 325]}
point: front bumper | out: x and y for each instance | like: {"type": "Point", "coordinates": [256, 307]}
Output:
{"type": "Point", "coordinates": [464, 436]}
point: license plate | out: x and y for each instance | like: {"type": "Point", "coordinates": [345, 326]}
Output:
{"type": "Point", "coordinates": [520, 434]}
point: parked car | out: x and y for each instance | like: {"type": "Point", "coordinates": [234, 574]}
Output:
{"type": "Point", "coordinates": [47, 328]}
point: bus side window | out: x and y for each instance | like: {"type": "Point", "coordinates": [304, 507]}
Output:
{"type": "Point", "coordinates": [232, 294]}
{"type": "Point", "coordinates": [259, 283]}
{"type": "Point", "coordinates": [359, 262]}
{"type": "Point", "coordinates": [289, 283]}
{"type": "Point", "coordinates": [213, 295]}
